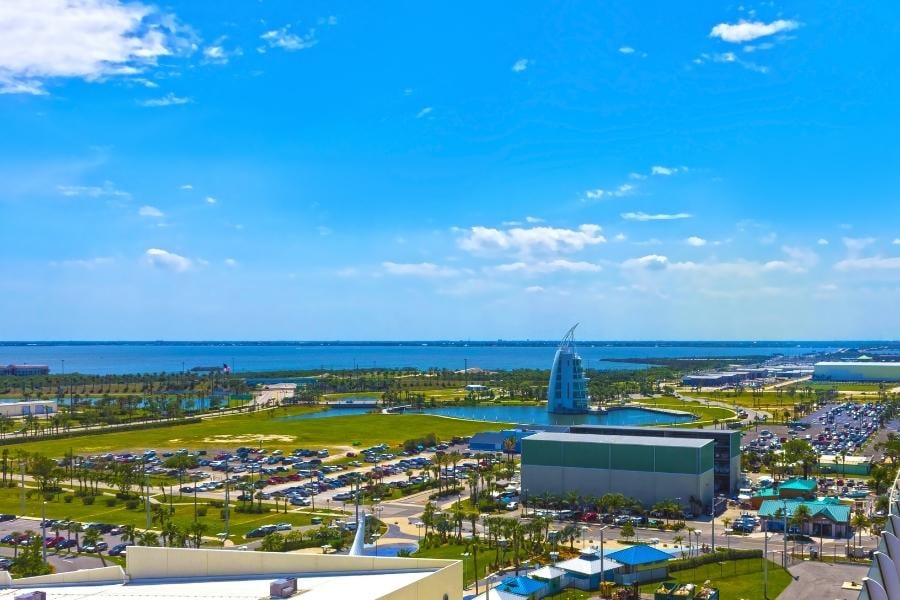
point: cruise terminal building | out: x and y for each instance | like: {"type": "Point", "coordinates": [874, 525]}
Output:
{"type": "Point", "coordinates": [648, 468]}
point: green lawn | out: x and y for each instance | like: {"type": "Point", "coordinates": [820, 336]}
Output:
{"type": "Point", "coordinates": [735, 579]}
{"type": "Point", "coordinates": [10, 502]}
{"type": "Point", "coordinates": [271, 429]}
{"type": "Point", "coordinates": [704, 414]}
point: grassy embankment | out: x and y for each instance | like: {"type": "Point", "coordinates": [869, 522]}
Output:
{"type": "Point", "coordinates": [271, 428]}
{"type": "Point", "coordinates": [57, 508]}
{"type": "Point", "coordinates": [735, 579]}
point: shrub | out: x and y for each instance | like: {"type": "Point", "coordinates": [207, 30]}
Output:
{"type": "Point", "coordinates": [87, 500]}
{"type": "Point", "coordinates": [68, 498]}
{"type": "Point", "coordinates": [216, 503]}
{"type": "Point", "coordinates": [132, 504]}
{"type": "Point", "coordinates": [201, 511]}
{"type": "Point", "coordinates": [110, 501]}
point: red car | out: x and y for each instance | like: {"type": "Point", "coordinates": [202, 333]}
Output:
{"type": "Point", "coordinates": [51, 541]}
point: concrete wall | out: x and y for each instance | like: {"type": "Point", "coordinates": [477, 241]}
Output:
{"type": "Point", "coordinates": [648, 488]}
{"type": "Point", "coordinates": [445, 581]}
{"type": "Point", "coordinates": [112, 574]}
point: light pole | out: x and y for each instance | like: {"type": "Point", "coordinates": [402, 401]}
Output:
{"type": "Point", "coordinates": [22, 484]}
{"type": "Point", "coordinates": [44, 530]}
{"type": "Point", "coordinates": [766, 563]}
{"type": "Point", "coordinates": [602, 570]}
{"type": "Point", "coordinates": [419, 525]}
{"type": "Point", "coordinates": [715, 503]}
{"type": "Point", "coordinates": [697, 533]}
{"type": "Point", "coordinates": [784, 553]}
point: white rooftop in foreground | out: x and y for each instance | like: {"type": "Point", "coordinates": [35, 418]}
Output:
{"type": "Point", "coordinates": [327, 587]}
{"type": "Point", "coordinates": [164, 573]}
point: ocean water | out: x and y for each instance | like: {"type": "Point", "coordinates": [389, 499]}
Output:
{"type": "Point", "coordinates": [525, 415]}
{"type": "Point", "coordinates": [110, 358]}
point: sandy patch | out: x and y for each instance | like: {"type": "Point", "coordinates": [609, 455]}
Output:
{"type": "Point", "coordinates": [246, 438]}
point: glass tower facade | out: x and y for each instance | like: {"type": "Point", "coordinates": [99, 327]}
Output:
{"type": "Point", "coordinates": [567, 388]}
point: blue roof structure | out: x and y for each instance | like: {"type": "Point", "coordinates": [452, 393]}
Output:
{"type": "Point", "coordinates": [521, 586]}
{"type": "Point", "coordinates": [640, 554]}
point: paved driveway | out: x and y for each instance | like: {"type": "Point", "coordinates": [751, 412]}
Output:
{"type": "Point", "coordinates": [822, 581]}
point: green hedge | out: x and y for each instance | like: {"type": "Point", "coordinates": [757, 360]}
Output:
{"type": "Point", "coordinates": [717, 556]}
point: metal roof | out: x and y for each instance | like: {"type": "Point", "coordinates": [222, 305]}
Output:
{"type": "Point", "coordinates": [640, 554]}
{"type": "Point", "coordinates": [625, 440]}
{"type": "Point", "coordinates": [830, 509]}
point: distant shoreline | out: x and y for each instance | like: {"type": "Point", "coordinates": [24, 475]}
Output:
{"type": "Point", "coordinates": [460, 343]}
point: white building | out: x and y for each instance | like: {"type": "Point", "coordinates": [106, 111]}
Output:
{"type": "Point", "coordinates": [28, 407]}
{"type": "Point", "coordinates": [567, 389]}
{"type": "Point", "coordinates": [162, 573]}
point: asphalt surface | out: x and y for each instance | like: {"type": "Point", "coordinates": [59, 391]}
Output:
{"type": "Point", "coordinates": [62, 561]}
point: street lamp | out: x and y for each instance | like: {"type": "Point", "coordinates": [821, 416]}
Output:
{"type": "Point", "coordinates": [44, 530]}
{"type": "Point", "coordinates": [419, 525]}
{"type": "Point", "coordinates": [715, 503]}
{"type": "Point", "coordinates": [602, 570]}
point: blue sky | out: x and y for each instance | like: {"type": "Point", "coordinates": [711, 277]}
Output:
{"type": "Point", "coordinates": [287, 170]}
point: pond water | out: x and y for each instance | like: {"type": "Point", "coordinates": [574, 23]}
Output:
{"type": "Point", "coordinates": [527, 415]}
{"type": "Point", "coordinates": [389, 549]}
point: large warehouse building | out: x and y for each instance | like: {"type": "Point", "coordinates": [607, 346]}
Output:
{"type": "Point", "coordinates": [726, 456]}
{"type": "Point", "coordinates": [648, 468]}
{"type": "Point", "coordinates": [857, 371]}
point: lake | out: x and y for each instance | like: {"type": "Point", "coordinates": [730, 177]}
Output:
{"type": "Point", "coordinates": [526, 415]}
{"type": "Point", "coordinates": [149, 357]}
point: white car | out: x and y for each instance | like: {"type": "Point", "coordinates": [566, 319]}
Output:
{"type": "Point", "coordinates": [511, 505]}
{"type": "Point", "coordinates": [282, 526]}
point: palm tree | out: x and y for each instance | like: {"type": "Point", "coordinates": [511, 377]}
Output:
{"type": "Point", "coordinates": [92, 537]}
{"type": "Point", "coordinates": [860, 521]}
{"type": "Point", "coordinates": [678, 540]}
{"type": "Point", "coordinates": [726, 521]}
{"type": "Point", "coordinates": [148, 538]}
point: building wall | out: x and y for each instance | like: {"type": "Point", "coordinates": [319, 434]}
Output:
{"type": "Point", "coordinates": [34, 407]}
{"type": "Point", "coordinates": [646, 487]}
{"type": "Point", "coordinates": [857, 371]}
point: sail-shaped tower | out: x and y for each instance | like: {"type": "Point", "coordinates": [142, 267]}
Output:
{"type": "Point", "coordinates": [567, 389]}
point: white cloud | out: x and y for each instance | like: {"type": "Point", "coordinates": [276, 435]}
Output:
{"type": "Point", "coordinates": [217, 54]}
{"type": "Point", "coordinates": [730, 57]}
{"type": "Point", "coordinates": [599, 194]}
{"type": "Point", "coordinates": [521, 65]}
{"type": "Point", "coordinates": [186, 186]}
{"type": "Point", "coordinates": [549, 266]}
{"type": "Point", "coordinates": [92, 191]}
{"type": "Point", "coordinates": [857, 245]}
{"type": "Point", "coordinates": [533, 220]}
{"type": "Point", "coordinates": [768, 238]}
{"type": "Point", "coordinates": [636, 175]}
{"type": "Point", "coordinates": [652, 262]}
{"type": "Point", "coordinates": [822, 242]}
{"type": "Point", "coordinates": [424, 112]}
{"type": "Point", "coordinates": [284, 39]}
{"type": "Point", "coordinates": [534, 289]}
{"type": "Point", "coordinates": [163, 259]}
{"type": "Point", "coordinates": [230, 262]}
{"type": "Point", "coordinates": [211, 200]}
{"type": "Point", "coordinates": [746, 31]}
{"type": "Point", "coordinates": [43, 40]}
{"type": "Point", "coordinates": [83, 263]}
{"type": "Point", "coordinates": [525, 241]}
{"type": "Point", "coordinates": [150, 212]}
{"type": "Point", "coordinates": [896, 242]}
{"type": "Point", "coordinates": [642, 216]}
{"type": "Point", "coordinates": [620, 237]}
{"type": "Point", "coordinates": [869, 263]}
{"type": "Point", "coordinates": [665, 171]}
{"type": "Point", "coordinates": [626, 50]}
{"type": "Point", "coordinates": [169, 99]}
{"type": "Point", "coordinates": [695, 241]}
{"type": "Point", "coordinates": [423, 269]}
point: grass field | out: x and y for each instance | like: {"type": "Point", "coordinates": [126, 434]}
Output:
{"type": "Point", "coordinates": [705, 414]}
{"type": "Point", "coordinates": [735, 579]}
{"type": "Point", "coordinates": [10, 502]}
{"type": "Point", "coordinates": [270, 429]}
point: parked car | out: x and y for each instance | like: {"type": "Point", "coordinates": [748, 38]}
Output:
{"type": "Point", "coordinates": [7, 517]}
{"type": "Point", "coordinates": [91, 548]}
{"type": "Point", "coordinates": [5, 563]}
{"type": "Point", "coordinates": [119, 550]}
